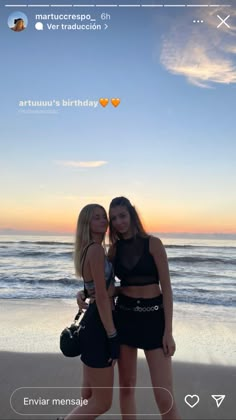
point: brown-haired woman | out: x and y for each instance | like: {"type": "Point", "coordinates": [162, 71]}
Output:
{"type": "Point", "coordinates": [144, 308]}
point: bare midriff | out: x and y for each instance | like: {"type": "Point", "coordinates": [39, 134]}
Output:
{"type": "Point", "coordinates": [148, 291]}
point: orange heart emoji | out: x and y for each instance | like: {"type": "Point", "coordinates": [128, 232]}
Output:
{"type": "Point", "coordinates": [115, 102]}
{"type": "Point", "coordinates": [104, 101]}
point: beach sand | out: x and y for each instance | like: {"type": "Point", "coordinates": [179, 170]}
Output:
{"type": "Point", "coordinates": [31, 370]}
{"type": "Point", "coordinates": [30, 359]}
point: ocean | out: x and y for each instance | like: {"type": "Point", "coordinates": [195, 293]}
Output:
{"type": "Point", "coordinates": [202, 269]}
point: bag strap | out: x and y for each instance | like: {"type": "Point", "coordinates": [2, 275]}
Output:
{"type": "Point", "coordinates": [84, 253]}
{"type": "Point", "coordinates": [77, 316]}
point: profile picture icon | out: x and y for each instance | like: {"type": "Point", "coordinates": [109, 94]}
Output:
{"type": "Point", "coordinates": [17, 21]}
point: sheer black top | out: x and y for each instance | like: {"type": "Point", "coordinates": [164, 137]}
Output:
{"type": "Point", "coordinates": [133, 263]}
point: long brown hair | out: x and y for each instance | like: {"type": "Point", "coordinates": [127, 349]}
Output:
{"type": "Point", "coordinates": [83, 235]}
{"type": "Point", "coordinates": [136, 224]}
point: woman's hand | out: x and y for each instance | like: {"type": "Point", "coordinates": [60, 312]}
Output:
{"type": "Point", "coordinates": [80, 297]}
{"type": "Point", "coordinates": [114, 347]}
{"type": "Point", "coordinates": [168, 344]}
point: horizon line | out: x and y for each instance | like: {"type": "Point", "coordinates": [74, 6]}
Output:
{"type": "Point", "coordinates": [56, 233]}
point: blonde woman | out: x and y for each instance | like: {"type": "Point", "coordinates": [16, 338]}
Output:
{"type": "Point", "coordinates": [100, 346]}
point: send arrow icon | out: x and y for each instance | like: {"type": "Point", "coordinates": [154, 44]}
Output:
{"type": "Point", "coordinates": [218, 399]}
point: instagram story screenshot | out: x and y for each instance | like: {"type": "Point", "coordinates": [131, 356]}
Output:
{"type": "Point", "coordinates": [118, 210]}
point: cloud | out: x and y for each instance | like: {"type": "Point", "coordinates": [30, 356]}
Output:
{"type": "Point", "coordinates": [198, 64]}
{"type": "Point", "coordinates": [230, 49]}
{"type": "Point", "coordinates": [81, 164]}
{"type": "Point", "coordinates": [203, 57]}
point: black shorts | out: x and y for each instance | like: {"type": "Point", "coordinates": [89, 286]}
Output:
{"type": "Point", "coordinates": [140, 322]}
{"type": "Point", "coordinates": [94, 341]}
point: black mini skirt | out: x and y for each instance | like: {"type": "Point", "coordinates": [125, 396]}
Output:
{"type": "Point", "coordinates": [140, 322]}
{"type": "Point", "coordinates": [94, 341]}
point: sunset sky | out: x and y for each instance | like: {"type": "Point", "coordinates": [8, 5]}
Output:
{"type": "Point", "coordinates": [169, 146]}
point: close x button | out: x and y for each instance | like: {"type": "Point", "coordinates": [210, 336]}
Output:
{"type": "Point", "coordinates": [223, 21]}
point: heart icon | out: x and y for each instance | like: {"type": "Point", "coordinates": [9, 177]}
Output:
{"type": "Point", "coordinates": [191, 400]}
{"type": "Point", "coordinates": [115, 102]}
{"type": "Point", "coordinates": [104, 101]}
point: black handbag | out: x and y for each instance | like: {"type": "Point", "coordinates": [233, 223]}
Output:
{"type": "Point", "coordinates": [70, 343]}
{"type": "Point", "coordinates": [70, 338]}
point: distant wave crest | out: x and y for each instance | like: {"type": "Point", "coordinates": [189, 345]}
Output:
{"type": "Point", "coordinates": [201, 259]}
{"type": "Point", "coordinates": [44, 282]}
{"type": "Point", "coordinates": [38, 242]}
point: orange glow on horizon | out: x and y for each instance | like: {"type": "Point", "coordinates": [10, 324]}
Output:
{"type": "Point", "coordinates": [64, 222]}
{"type": "Point", "coordinates": [55, 228]}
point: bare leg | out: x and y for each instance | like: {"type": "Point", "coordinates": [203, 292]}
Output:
{"type": "Point", "coordinates": [160, 368]}
{"type": "Point", "coordinates": [100, 382]}
{"type": "Point", "coordinates": [127, 365]}
{"type": "Point", "coordinates": [86, 390]}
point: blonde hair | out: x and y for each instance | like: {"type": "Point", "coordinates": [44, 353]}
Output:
{"type": "Point", "coordinates": [83, 235]}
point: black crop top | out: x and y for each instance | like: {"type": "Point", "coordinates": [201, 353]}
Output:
{"type": "Point", "coordinates": [133, 263]}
